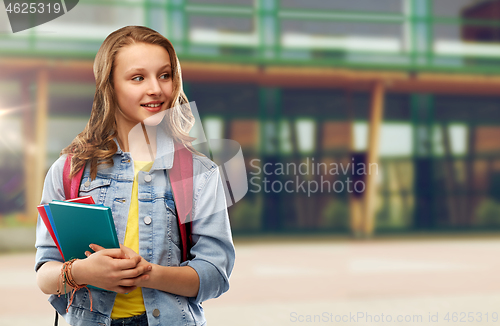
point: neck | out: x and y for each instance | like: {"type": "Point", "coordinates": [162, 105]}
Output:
{"type": "Point", "coordinates": [140, 141]}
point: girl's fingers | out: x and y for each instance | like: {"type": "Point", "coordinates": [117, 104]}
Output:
{"type": "Point", "coordinates": [114, 253]}
{"type": "Point", "coordinates": [135, 272]}
{"type": "Point", "coordinates": [133, 281]}
{"type": "Point", "coordinates": [128, 263]}
{"type": "Point", "coordinates": [95, 247]}
{"type": "Point", "coordinates": [127, 283]}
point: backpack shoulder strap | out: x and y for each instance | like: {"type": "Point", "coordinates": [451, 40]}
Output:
{"type": "Point", "coordinates": [181, 177]}
{"type": "Point", "coordinates": [71, 185]}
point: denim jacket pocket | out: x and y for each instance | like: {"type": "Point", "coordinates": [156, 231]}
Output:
{"type": "Point", "coordinates": [170, 203]}
{"type": "Point", "coordinates": [173, 226]}
{"type": "Point", "coordinates": [96, 188]}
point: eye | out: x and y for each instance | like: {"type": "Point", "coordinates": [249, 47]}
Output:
{"type": "Point", "coordinates": [165, 76]}
{"type": "Point", "coordinates": [138, 78]}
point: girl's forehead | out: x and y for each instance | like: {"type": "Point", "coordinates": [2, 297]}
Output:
{"type": "Point", "coordinates": [141, 54]}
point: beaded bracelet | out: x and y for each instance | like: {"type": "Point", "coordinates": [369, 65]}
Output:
{"type": "Point", "coordinates": [67, 278]}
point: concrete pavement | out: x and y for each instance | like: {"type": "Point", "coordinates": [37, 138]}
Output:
{"type": "Point", "coordinates": [323, 282]}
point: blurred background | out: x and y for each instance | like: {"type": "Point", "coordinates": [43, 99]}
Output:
{"type": "Point", "coordinates": [410, 85]}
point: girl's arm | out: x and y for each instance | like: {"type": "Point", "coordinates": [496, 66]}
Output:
{"type": "Point", "coordinates": [181, 280]}
{"type": "Point", "coordinates": [213, 248]}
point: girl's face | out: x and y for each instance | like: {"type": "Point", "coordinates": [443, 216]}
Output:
{"type": "Point", "coordinates": [143, 83]}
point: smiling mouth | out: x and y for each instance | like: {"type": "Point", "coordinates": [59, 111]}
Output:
{"type": "Point", "coordinates": [152, 105]}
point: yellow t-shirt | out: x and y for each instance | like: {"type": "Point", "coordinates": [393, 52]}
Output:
{"type": "Point", "coordinates": [132, 304]}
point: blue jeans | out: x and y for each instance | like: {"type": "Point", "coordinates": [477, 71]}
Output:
{"type": "Point", "coordinates": [140, 320]}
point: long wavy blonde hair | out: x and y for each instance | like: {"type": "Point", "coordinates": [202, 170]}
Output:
{"type": "Point", "coordinates": [96, 142]}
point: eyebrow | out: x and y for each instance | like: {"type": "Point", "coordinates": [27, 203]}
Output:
{"type": "Point", "coordinates": [142, 69]}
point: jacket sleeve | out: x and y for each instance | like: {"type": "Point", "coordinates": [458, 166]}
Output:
{"type": "Point", "coordinates": [46, 249]}
{"type": "Point", "coordinates": [213, 250]}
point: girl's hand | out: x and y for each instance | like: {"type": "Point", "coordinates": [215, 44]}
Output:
{"type": "Point", "coordinates": [143, 262]}
{"type": "Point", "coordinates": [110, 269]}
{"type": "Point", "coordinates": [129, 253]}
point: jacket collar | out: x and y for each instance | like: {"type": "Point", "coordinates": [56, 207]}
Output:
{"type": "Point", "coordinates": [164, 150]}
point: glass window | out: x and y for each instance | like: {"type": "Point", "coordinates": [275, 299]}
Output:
{"type": "Point", "coordinates": [306, 130]}
{"type": "Point", "coordinates": [213, 127]}
{"type": "Point", "coordinates": [396, 139]}
{"type": "Point", "coordinates": [388, 6]}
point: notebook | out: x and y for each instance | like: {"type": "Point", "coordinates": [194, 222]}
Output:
{"type": "Point", "coordinates": [42, 210]}
{"type": "Point", "coordinates": [46, 215]}
{"type": "Point", "coordinates": [78, 225]}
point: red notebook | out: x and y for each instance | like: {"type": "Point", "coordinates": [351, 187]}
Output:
{"type": "Point", "coordinates": [48, 224]}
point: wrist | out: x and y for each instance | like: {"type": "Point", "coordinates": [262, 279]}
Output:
{"type": "Point", "coordinates": [145, 281]}
{"type": "Point", "coordinates": [77, 272]}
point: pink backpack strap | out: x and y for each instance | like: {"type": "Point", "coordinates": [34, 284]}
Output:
{"type": "Point", "coordinates": [181, 177]}
{"type": "Point", "coordinates": [71, 189]}
{"type": "Point", "coordinates": [71, 186]}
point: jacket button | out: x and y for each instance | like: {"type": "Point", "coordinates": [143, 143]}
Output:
{"type": "Point", "coordinates": [156, 313]}
{"type": "Point", "coordinates": [147, 220]}
{"type": "Point", "coordinates": [147, 178]}
{"type": "Point", "coordinates": [87, 184]}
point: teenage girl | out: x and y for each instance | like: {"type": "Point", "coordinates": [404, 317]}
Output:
{"type": "Point", "coordinates": [138, 83]}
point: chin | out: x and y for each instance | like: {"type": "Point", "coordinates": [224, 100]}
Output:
{"type": "Point", "coordinates": [155, 119]}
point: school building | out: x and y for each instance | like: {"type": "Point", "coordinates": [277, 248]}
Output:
{"type": "Point", "coordinates": [316, 93]}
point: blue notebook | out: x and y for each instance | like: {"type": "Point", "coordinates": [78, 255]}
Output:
{"type": "Point", "coordinates": [78, 225]}
{"type": "Point", "coordinates": [51, 220]}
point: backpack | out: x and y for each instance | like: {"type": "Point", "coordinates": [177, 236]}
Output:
{"type": "Point", "coordinates": [181, 179]}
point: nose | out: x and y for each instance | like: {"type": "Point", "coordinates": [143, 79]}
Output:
{"type": "Point", "coordinates": [154, 87]}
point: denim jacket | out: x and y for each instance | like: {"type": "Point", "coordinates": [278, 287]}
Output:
{"type": "Point", "coordinates": [212, 248]}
